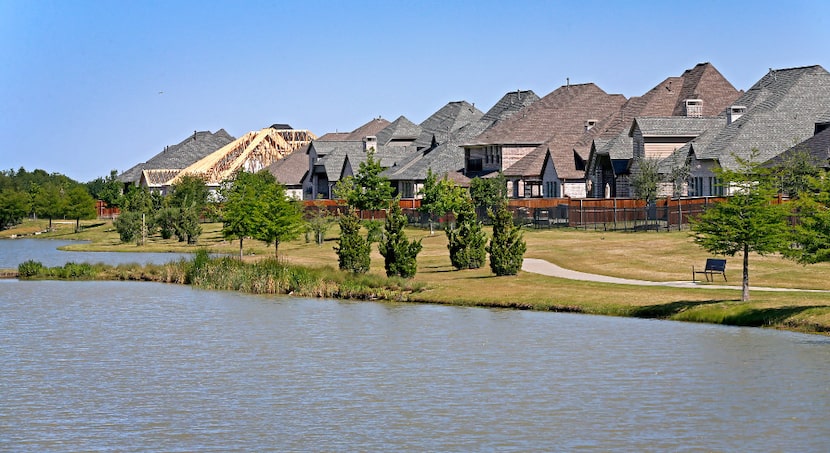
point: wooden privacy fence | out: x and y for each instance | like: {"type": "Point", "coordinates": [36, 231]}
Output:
{"type": "Point", "coordinates": [607, 214]}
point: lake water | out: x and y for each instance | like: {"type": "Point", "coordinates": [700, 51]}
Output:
{"type": "Point", "coordinates": [16, 251]}
{"type": "Point", "coordinates": [130, 366]}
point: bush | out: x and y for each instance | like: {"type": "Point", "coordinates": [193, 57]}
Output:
{"type": "Point", "coordinates": [29, 268]}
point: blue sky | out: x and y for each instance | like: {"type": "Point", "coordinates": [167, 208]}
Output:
{"type": "Point", "coordinates": [91, 86]}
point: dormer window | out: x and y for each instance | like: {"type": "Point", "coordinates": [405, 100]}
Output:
{"type": "Point", "coordinates": [694, 108]}
{"type": "Point", "coordinates": [589, 124]}
{"type": "Point", "coordinates": [734, 112]}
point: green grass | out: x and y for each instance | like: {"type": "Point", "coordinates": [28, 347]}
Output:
{"type": "Point", "coordinates": [644, 255]}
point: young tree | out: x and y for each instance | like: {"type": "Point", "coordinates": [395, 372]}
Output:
{"type": "Point", "coordinates": [243, 212]}
{"type": "Point", "coordinates": [48, 201]}
{"type": "Point", "coordinates": [439, 197]}
{"type": "Point", "coordinates": [747, 221]}
{"type": "Point", "coordinates": [79, 205]}
{"type": "Point", "coordinates": [811, 234]}
{"type": "Point", "coordinates": [189, 192]}
{"type": "Point", "coordinates": [186, 225]}
{"type": "Point", "coordinates": [646, 180]}
{"type": "Point", "coordinates": [398, 252]}
{"type": "Point", "coordinates": [318, 221]}
{"type": "Point", "coordinates": [466, 241]}
{"type": "Point", "coordinates": [488, 193]}
{"type": "Point", "coordinates": [283, 216]}
{"type": "Point", "coordinates": [109, 189]}
{"type": "Point", "coordinates": [796, 173]}
{"type": "Point", "coordinates": [507, 247]}
{"type": "Point", "coordinates": [368, 190]}
{"type": "Point", "coordinates": [353, 251]}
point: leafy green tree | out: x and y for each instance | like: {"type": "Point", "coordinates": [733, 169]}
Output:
{"type": "Point", "coordinates": [79, 205]}
{"type": "Point", "coordinates": [109, 189]}
{"type": "Point", "coordinates": [130, 226]}
{"type": "Point", "coordinates": [138, 199]}
{"type": "Point", "coordinates": [48, 201]}
{"type": "Point", "coordinates": [318, 221]}
{"type": "Point", "coordinates": [166, 221]}
{"type": "Point", "coordinates": [466, 241]}
{"type": "Point", "coordinates": [189, 192]}
{"type": "Point", "coordinates": [14, 205]}
{"type": "Point", "coordinates": [283, 215]}
{"type": "Point", "coordinates": [507, 247]}
{"type": "Point", "coordinates": [795, 172]}
{"type": "Point", "coordinates": [243, 211]}
{"type": "Point", "coordinates": [399, 253]}
{"type": "Point", "coordinates": [488, 193]}
{"type": "Point", "coordinates": [811, 234]}
{"type": "Point", "coordinates": [646, 180]}
{"type": "Point", "coordinates": [368, 190]}
{"type": "Point", "coordinates": [353, 250]}
{"type": "Point", "coordinates": [747, 221]}
{"type": "Point", "coordinates": [187, 226]}
{"type": "Point", "coordinates": [439, 197]}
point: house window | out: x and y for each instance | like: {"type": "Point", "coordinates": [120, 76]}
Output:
{"type": "Point", "coordinates": [715, 186]}
{"type": "Point", "coordinates": [533, 189]}
{"type": "Point", "coordinates": [407, 189]}
{"type": "Point", "coordinates": [551, 189]}
{"type": "Point", "coordinates": [696, 187]}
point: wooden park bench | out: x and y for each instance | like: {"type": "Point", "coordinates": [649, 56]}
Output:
{"type": "Point", "coordinates": [713, 266]}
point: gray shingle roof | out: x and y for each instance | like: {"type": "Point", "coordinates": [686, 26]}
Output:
{"type": "Point", "coordinates": [448, 157]}
{"type": "Point", "coordinates": [782, 109]}
{"type": "Point", "coordinates": [445, 121]}
{"type": "Point", "coordinates": [818, 147]}
{"type": "Point", "coordinates": [291, 169]}
{"type": "Point", "coordinates": [675, 126]}
{"type": "Point", "coordinates": [180, 155]}
{"type": "Point", "coordinates": [400, 129]}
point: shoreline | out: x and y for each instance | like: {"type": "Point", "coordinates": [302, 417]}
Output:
{"type": "Point", "coordinates": [615, 262]}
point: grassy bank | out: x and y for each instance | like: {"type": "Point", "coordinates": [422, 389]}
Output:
{"type": "Point", "coordinates": [648, 256]}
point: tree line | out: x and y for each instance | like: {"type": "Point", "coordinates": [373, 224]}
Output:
{"type": "Point", "coordinates": [39, 194]}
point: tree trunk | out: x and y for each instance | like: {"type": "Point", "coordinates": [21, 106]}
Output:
{"type": "Point", "coordinates": [78, 224]}
{"type": "Point", "coordinates": [745, 286]}
{"type": "Point", "coordinates": [240, 248]}
{"type": "Point", "coordinates": [277, 248]}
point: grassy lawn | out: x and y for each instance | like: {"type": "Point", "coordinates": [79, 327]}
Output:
{"type": "Point", "coordinates": [644, 255]}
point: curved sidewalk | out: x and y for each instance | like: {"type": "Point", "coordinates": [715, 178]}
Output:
{"type": "Point", "coordinates": [543, 267]}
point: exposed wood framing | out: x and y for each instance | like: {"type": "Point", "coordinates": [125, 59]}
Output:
{"type": "Point", "coordinates": [252, 152]}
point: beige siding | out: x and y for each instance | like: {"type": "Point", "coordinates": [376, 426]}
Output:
{"type": "Point", "coordinates": [661, 150]}
{"type": "Point", "coordinates": [574, 190]}
{"type": "Point", "coordinates": [511, 155]}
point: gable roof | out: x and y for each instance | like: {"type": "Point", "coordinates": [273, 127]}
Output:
{"type": "Point", "coordinates": [782, 109]}
{"type": "Point", "coordinates": [180, 155]}
{"type": "Point", "coordinates": [542, 119]}
{"type": "Point", "coordinates": [666, 99]}
{"type": "Point", "coordinates": [400, 129]}
{"type": "Point", "coordinates": [253, 151]}
{"type": "Point", "coordinates": [292, 169]}
{"type": "Point", "coordinates": [447, 159]}
{"type": "Point", "coordinates": [559, 118]}
{"type": "Point", "coordinates": [448, 119]}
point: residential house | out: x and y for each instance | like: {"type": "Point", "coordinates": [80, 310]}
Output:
{"type": "Point", "coordinates": [174, 158]}
{"type": "Point", "coordinates": [700, 92]}
{"type": "Point", "coordinates": [780, 110]}
{"type": "Point", "coordinates": [252, 152]}
{"type": "Point", "coordinates": [332, 161]}
{"type": "Point", "coordinates": [535, 149]}
{"type": "Point", "coordinates": [290, 171]}
{"type": "Point", "coordinates": [444, 156]}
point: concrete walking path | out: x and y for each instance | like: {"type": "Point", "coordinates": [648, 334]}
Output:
{"type": "Point", "coordinates": [543, 267]}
